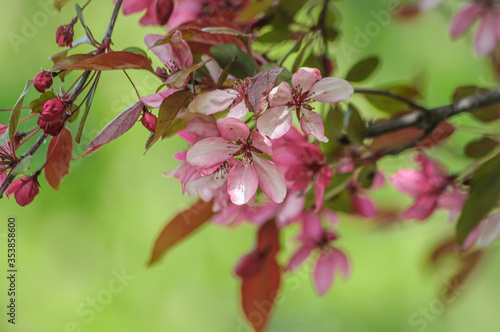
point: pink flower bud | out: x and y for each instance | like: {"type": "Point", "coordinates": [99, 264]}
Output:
{"type": "Point", "coordinates": [3, 128]}
{"type": "Point", "coordinates": [51, 118]}
{"type": "Point", "coordinates": [149, 121]}
{"type": "Point", "coordinates": [24, 189]}
{"type": "Point", "coordinates": [64, 35]}
{"type": "Point", "coordinates": [42, 81]}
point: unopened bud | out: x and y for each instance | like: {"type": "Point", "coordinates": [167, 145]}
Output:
{"type": "Point", "coordinates": [42, 81]}
{"type": "Point", "coordinates": [149, 121]}
{"type": "Point", "coordinates": [24, 189]}
{"type": "Point", "coordinates": [64, 35]}
{"type": "Point", "coordinates": [51, 118]}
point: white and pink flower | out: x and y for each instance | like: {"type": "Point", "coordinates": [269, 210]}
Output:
{"type": "Point", "coordinates": [307, 86]}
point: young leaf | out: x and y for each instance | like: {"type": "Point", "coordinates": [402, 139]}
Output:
{"type": "Point", "coordinates": [354, 125]}
{"type": "Point", "coordinates": [333, 128]}
{"type": "Point", "coordinates": [225, 53]}
{"type": "Point", "coordinates": [23, 166]}
{"type": "Point", "coordinates": [179, 228]}
{"type": "Point", "coordinates": [178, 79]}
{"type": "Point", "coordinates": [106, 61]}
{"type": "Point", "coordinates": [16, 113]}
{"type": "Point", "coordinates": [363, 69]}
{"type": "Point", "coordinates": [367, 175]}
{"type": "Point", "coordinates": [36, 104]}
{"type": "Point", "coordinates": [260, 86]}
{"type": "Point", "coordinates": [259, 289]}
{"type": "Point", "coordinates": [58, 4]}
{"type": "Point", "coordinates": [480, 148]}
{"type": "Point", "coordinates": [119, 126]}
{"type": "Point", "coordinates": [300, 56]}
{"type": "Point", "coordinates": [169, 108]}
{"type": "Point", "coordinates": [483, 196]}
{"type": "Point", "coordinates": [58, 158]}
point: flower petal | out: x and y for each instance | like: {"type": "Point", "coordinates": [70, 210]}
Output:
{"type": "Point", "coordinates": [323, 179]}
{"type": "Point", "coordinates": [485, 39]}
{"type": "Point", "coordinates": [239, 111]}
{"type": "Point", "coordinates": [233, 129]}
{"type": "Point", "coordinates": [271, 181]}
{"type": "Point", "coordinates": [275, 122]}
{"type": "Point", "coordinates": [410, 182]}
{"type": "Point", "coordinates": [311, 123]}
{"type": "Point", "coordinates": [323, 273]}
{"type": "Point", "coordinates": [464, 19]}
{"type": "Point", "coordinates": [364, 206]}
{"type": "Point", "coordinates": [210, 152]}
{"type": "Point", "coordinates": [331, 90]}
{"type": "Point", "coordinates": [242, 183]}
{"type": "Point", "coordinates": [262, 143]}
{"type": "Point", "coordinates": [305, 78]}
{"type": "Point", "coordinates": [280, 95]}
{"type": "Point", "coordinates": [490, 230]}
{"type": "Point", "coordinates": [212, 102]}
{"type": "Point", "coordinates": [299, 257]}
{"type": "Point", "coordinates": [422, 209]}
{"type": "Point", "coordinates": [155, 99]}
{"type": "Point", "coordinates": [341, 263]}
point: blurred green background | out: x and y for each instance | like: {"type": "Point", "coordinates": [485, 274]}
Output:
{"type": "Point", "coordinates": [102, 222]}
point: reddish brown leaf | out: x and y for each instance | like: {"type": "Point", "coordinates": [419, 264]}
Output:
{"type": "Point", "coordinates": [58, 158]}
{"type": "Point", "coordinates": [443, 249]}
{"type": "Point", "coordinates": [399, 138]}
{"type": "Point", "coordinates": [183, 225]}
{"type": "Point", "coordinates": [119, 126]}
{"type": "Point", "coordinates": [259, 288]}
{"type": "Point", "coordinates": [469, 262]}
{"type": "Point", "coordinates": [106, 61]}
{"type": "Point", "coordinates": [260, 86]}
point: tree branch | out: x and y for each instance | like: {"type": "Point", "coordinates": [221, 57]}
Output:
{"type": "Point", "coordinates": [392, 95]}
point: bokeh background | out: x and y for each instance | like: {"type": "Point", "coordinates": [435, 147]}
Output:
{"type": "Point", "coordinates": [102, 222]}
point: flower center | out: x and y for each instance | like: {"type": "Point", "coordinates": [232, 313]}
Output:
{"type": "Point", "coordinates": [299, 100]}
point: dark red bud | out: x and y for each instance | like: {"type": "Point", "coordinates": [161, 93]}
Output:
{"type": "Point", "coordinates": [42, 81]}
{"type": "Point", "coordinates": [64, 35]}
{"type": "Point", "coordinates": [51, 119]}
{"type": "Point", "coordinates": [149, 121]}
{"type": "Point", "coordinates": [24, 189]}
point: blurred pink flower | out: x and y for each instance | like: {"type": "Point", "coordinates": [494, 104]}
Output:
{"type": "Point", "coordinates": [315, 239]}
{"type": "Point", "coordinates": [250, 171]}
{"type": "Point", "coordinates": [488, 34]}
{"type": "Point", "coordinates": [307, 86]}
{"type": "Point", "coordinates": [431, 188]}
{"type": "Point", "coordinates": [24, 189]}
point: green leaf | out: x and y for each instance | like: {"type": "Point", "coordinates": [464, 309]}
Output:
{"type": "Point", "coordinates": [176, 126]}
{"type": "Point", "coordinates": [300, 56]}
{"type": "Point", "coordinates": [391, 105]}
{"type": "Point", "coordinates": [88, 103]}
{"type": "Point", "coordinates": [354, 126]}
{"type": "Point", "coordinates": [480, 148]}
{"type": "Point", "coordinates": [23, 166]}
{"type": "Point", "coordinates": [333, 128]}
{"type": "Point", "coordinates": [225, 53]}
{"type": "Point", "coordinates": [295, 48]}
{"type": "Point", "coordinates": [363, 69]}
{"type": "Point", "coordinates": [169, 108]}
{"type": "Point", "coordinates": [483, 197]}
{"type": "Point", "coordinates": [136, 50]}
{"type": "Point", "coordinates": [79, 14]}
{"type": "Point", "coordinates": [178, 79]}
{"type": "Point", "coordinates": [58, 4]}
{"type": "Point", "coordinates": [16, 112]}
{"type": "Point", "coordinates": [36, 104]}
{"type": "Point", "coordinates": [339, 183]}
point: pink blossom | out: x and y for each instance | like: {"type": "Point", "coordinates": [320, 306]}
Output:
{"type": "Point", "coordinates": [302, 163]}
{"type": "Point", "coordinates": [158, 12]}
{"type": "Point", "coordinates": [361, 204]}
{"type": "Point", "coordinates": [317, 240]}
{"type": "Point", "coordinates": [185, 11]}
{"type": "Point", "coordinates": [24, 189]}
{"type": "Point", "coordinates": [489, 230]}
{"type": "Point", "coordinates": [431, 187]}
{"type": "Point", "coordinates": [488, 34]}
{"type": "Point", "coordinates": [219, 100]}
{"type": "Point", "coordinates": [307, 86]}
{"type": "Point", "coordinates": [250, 171]}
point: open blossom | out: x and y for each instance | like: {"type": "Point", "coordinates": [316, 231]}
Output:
{"type": "Point", "coordinates": [307, 86]}
{"type": "Point", "coordinates": [218, 100]}
{"type": "Point", "coordinates": [302, 163]}
{"type": "Point", "coordinates": [175, 55]}
{"type": "Point", "coordinates": [251, 170]}
{"type": "Point", "coordinates": [24, 189]}
{"type": "Point", "coordinates": [315, 239]}
{"type": "Point", "coordinates": [431, 188]}
{"type": "Point", "coordinates": [488, 13]}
